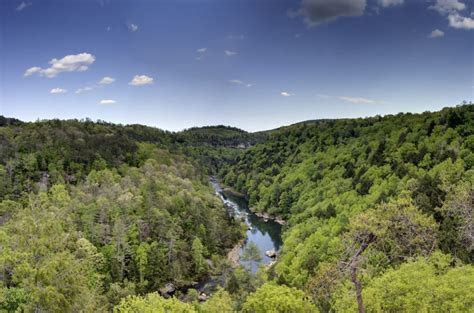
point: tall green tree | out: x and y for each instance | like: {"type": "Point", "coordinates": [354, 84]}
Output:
{"type": "Point", "coordinates": [276, 299]}
{"type": "Point", "coordinates": [251, 254]}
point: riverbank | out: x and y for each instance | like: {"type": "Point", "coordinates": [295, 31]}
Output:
{"type": "Point", "coordinates": [231, 190]}
{"type": "Point", "coordinates": [261, 231]}
{"type": "Point", "coordinates": [233, 256]}
{"type": "Point", "coordinates": [265, 216]}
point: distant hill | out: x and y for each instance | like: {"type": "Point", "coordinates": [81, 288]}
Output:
{"type": "Point", "coordinates": [6, 121]}
{"type": "Point", "coordinates": [224, 136]}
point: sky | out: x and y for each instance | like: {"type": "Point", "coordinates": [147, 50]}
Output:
{"type": "Point", "coordinates": [253, 64]}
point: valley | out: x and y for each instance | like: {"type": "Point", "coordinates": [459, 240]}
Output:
{"type": "Point", "coordinates": [103, 217]}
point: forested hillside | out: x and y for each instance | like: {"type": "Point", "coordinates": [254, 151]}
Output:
{"type": "Point", "coordinates": [94, 212]}
{"type": "Point", "coordinates": [375, 206]}
{"type": "Point", "coordinates": [98, 217]}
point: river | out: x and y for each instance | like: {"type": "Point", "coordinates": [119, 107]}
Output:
{"type": "Point", "coordinates": [265, 233]}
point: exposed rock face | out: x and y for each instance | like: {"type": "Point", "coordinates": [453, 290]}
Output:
{"type": "Point", "coordinates": [234, 255]}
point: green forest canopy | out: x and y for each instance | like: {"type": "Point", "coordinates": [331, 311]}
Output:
{"type": "Point", "coordinates": [95, 215]}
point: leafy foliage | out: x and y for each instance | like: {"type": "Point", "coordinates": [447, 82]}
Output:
{"type": "Point", "coordinates": [91, 215]}
{"type": "Point", "coordinates": [367, 194]}
{"type": "Point", "coordinates": [153, 303]}
{"type": "Point", "coordinates": [96, 216]}
{"type": "Point", "coordinates": [274, 298]}
{"type": "Point", "coordinates": [424, 285]}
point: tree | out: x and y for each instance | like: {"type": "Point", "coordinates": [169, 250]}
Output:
{"type": "Point", "coordinates": [197, 251]}
{"type": "Point", "coordinates": [458, 224]}
{"type": "Point", "coordinates": [390, 233]}
{"type": "Point", "coordinates": [273, 298]}
{"type": "Point", "coordinates": [141, 258]}
{"type": "Point", "coordinates": [219, 302]}
{"type": "Point", "coordinates": [152, 303]}
{"type": "Point", "coordinates": [251, 254]}
{"type": "Point", "coordinates": [43, 256]}
{"type": "Point", "coordinates": [443, 288]}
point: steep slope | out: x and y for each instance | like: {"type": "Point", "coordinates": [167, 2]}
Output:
{"type": "Point", "coordinates": [349, 188]}
{"type": "Point", "coordinates": [94, 212]}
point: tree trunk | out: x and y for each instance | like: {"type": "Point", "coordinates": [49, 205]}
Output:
{"type": "Point", "coordinates": [358, 287]}
{"type": "Point", "coordinates": [353, 266]}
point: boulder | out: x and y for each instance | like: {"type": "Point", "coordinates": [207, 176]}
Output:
{"type": "Point", "coordinates": [168, 289]}
{"type": "Point", "coordinates": [280, 220]}
{"type": "Point", "coordinates": [269, 265]}
{"type": "Point", "coordinates": [203, 297]}
{"type": "Point", "coordinates": [271, 253]}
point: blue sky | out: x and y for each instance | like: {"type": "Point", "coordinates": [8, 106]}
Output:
{"type": "Point", "coordinates": [251, 64]}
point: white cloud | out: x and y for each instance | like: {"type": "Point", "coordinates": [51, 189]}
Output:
{"type": "Point", "coordinates": [323, 96]}
{"type": "Point", "coordinates": [316, 12]}
{"type": "Point", "coordinates": [389, 3]}
{"type": "Point", "coordinates": [32, 70]}
{"type": "Point", "coordinates": [132, 27]}
{"type": "Point", "coordinates": [107, 80]}
{"type": "Point", "coordinates": [107, 101]}
{"type": "Point", "coordinates": [448, 6]}
{"type": "Point", "coordinates": [201, 50]}
{"type": "Point", "coordinates": [357, 100]}
{"type": "Point", "coordinates": [460, 22]}
{"type": "Point", "coordinates": [70, 63]}
{"type": "Point", "coordinates": [140, 80]}
{"type": "Point", "coordinates": [451, 8]}
{"type": "Point", "coordinates": [23, 5]}
{"type": "Point", "coordinates": [286, 94]}
{"type": "Point", "coordinates": [58, 90]}
{"type": "Point", "coordinates": [239, 82]}
{"type": "Point", "coordinates": [81, 90]}
{"type": "Point", "coordinates": [436, 33]}
{"type": "Point", "coordinates": [230, 53]}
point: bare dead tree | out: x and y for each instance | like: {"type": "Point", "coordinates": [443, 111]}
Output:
{"type": "Point", "coordinates": [354, 263]}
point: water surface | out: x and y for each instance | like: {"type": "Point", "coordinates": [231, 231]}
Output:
{"type": "Point", "coordinates": [266, 234]}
